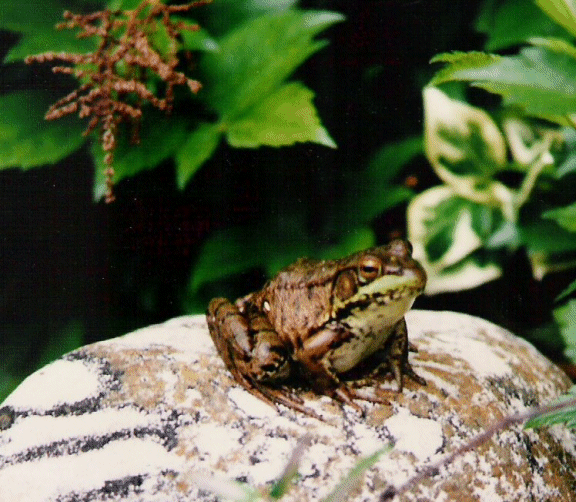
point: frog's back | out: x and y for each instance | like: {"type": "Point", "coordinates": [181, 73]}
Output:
{"type": "Point", "coordinates": [300, 298]}
{"type": "Point", "coordinates": [305, 273]}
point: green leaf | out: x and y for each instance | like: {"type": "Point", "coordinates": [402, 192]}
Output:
{"type": "Point", "coordinates": [225, 253]}
{"type": "Point", "coordinates": [284, 117]}
{"type": "Point", "coordinates": [566, 416]}
{"type": "Point", "coordinates": [392, 157]}
{"type": "Point", "coordinates": [258, 56]}
{"type": "Point", "coordinates": [358, 239]}
{"type": "Point", "coordinates": [564, 216]}
{"type": "Point", "coordinates": [460, 61]}
{"type": "Point", "coordinates": [224, 15]}
{"type": "Point", "coordinates": [561, 11]}
{"type": "Point", "coordinates": [565, 317]}
{"type": "Point", "coordinates": [567, 292]}
{"type": "Point", "coordinates": [444, 234]}
{"type": "Point", "coordinates": [199, 40]}
{"type": "Point", "coordinates": [235, 250]}
{"type": "Point", "coordinates": [466, 148]}
{"type": "Point", "coordinates": [62, 342]}
{"type": "Point", "coordinates": [539, 80]}
{"type": "Point", "coordinates": [197, 149]}
{"type": "Point", "coordinates": [461, 138]}
{"type": "Point", "coordinates": [352, 480]}
{"type": "Point", "coordinates": [36, 21]}
{"type": "Point", "coordinates": [160, 137]}
{"type": "Point", "coordinates": [27, 139]}
{"type": "Point", "coordinates": [567, 164]}
{"type": "Point", "coordinates": [557, 45]}
{"type": "Point", "coordinates": [546, 236]}
{"type": "Point", "coordinates": [513, 22]}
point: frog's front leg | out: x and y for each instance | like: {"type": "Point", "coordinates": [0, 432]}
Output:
{"type": "Point", "coordinates": [393, 356]}
{"type": "Point", "coordinates": [314, 357]}
{"type": "Point", "coordinates": [252, 351]}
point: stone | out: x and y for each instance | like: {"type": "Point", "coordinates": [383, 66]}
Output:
{"type": "Point", "coordinates": [155, 416]}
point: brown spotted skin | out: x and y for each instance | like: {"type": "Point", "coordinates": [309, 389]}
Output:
{"type": "Point", "coordinates": [316, 319]}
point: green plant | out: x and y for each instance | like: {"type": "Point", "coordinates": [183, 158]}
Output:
{"type": "Point", "coordinates": [509, 174]}
{"type": "Point", "coordinates": [129, 52]}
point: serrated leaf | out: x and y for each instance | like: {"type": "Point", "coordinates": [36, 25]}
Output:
{"type": "Point", "coordinates": [27, 139]}
{"type": "Point", "coordinates": [460, 61]}
{"type": "Point", "coordinates": [196, 149]}
{"type": "Point", "coordinates": [255, 58]}
{"type": "Point", "coordinates": [561, 11]}
{"type": "Point", "coordinates": [284, 117]}
{"type": "Point", "coordinates": [564, 216]}
{"type": "Point", "coordinates": [541, 81]}
{"type": "Point", "coordinates": [160, 137]}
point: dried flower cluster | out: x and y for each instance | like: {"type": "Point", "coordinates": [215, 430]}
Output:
{"type": "Point", "coordinates": [115, 76]}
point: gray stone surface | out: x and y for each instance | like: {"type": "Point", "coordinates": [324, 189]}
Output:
{"type": "Point", "coordinates": [155, 416]}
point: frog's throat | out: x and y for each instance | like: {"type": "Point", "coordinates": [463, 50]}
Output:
{"type": "Point", "coordinates": [383, 291]}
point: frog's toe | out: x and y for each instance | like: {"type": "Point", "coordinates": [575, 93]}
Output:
{"type": "Point", "coordinates": [346, 395]}
{"type": "Point", "coordinates": [410, 373]}
{"type": "Point", "coordinates": [292, 401]}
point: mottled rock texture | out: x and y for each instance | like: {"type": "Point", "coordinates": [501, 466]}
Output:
{"type": "Point", "coordinates": [145, 416]}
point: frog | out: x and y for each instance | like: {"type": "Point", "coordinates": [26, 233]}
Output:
{"type": "Point", "coordinates": [319, 321]}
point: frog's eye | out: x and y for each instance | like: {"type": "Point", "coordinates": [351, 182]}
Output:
{"type": "Point", "coordinates": [370, 267]}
